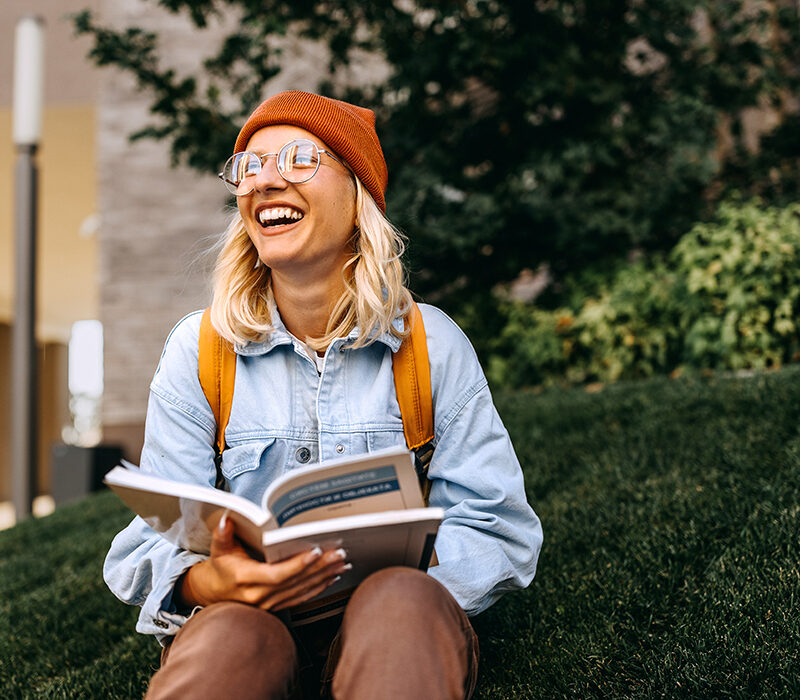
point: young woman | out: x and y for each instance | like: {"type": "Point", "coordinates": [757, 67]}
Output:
{"type": "Point", "coordinates": [309, 289]}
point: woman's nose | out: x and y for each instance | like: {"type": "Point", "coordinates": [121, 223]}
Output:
{"type": "Point", "coordinates": [269, 178]}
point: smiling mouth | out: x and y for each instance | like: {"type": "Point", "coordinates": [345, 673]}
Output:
{"type": "Point", "coordinates": [279, 216]}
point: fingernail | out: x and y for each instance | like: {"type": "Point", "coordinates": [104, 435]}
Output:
{"type": "Point", "coordinates": [334, 580]}
{"type": "Point", "coordinates": [314, 554]}
{"type": "Point", "coordinates": [347, 566]}
{"type": "Point", "coordinates": [223, 521]}
{"type": "Point", "coordinates": [341, 553]}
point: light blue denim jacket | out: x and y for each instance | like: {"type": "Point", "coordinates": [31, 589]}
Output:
{"type": "Point", "coordinates": [285, 415]}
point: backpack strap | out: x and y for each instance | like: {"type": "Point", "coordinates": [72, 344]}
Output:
{"type": "Point", "coordinates": [217, 369]}
{"type": "Point", "coordinates": [412, 381]}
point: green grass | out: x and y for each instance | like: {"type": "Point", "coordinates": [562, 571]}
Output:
{"type": "Point", "coordinates": [670, 568]}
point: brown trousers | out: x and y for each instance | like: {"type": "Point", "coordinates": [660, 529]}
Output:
{"type": "Point", "coordinates": [402, 636]}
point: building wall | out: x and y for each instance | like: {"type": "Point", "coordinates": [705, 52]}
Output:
{"type": "Point", "coordinates": [155, 224]}
{"type": "Point", "coordinates": [67, 288]}
{"type": "Point", "coordinates": [67, 282]}
{"type": "Point", "coordinates": [67, 249]}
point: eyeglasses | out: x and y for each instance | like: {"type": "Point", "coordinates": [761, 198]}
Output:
{"type": "Point", "coordinates": [297, 161]}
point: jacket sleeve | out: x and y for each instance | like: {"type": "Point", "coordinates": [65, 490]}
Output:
{"type": "Point", "coordinates": [141, 567]}
{"type": "Point", "coordinates": [490, 537]}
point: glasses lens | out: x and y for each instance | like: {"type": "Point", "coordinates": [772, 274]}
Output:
{"type": "Point", "coordinates": [298, 160]}
{"type": "Point", "coordinates": [239, 167]}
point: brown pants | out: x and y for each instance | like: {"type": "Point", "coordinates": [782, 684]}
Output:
{"type": "Point", "coordinates": [402, 636]}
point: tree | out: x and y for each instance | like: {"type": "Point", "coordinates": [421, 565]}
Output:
{"type": "Point", "coordinates": [517, 131]}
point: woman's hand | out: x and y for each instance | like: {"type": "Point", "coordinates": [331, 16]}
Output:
{"type": "Point", "coordinates": [231, 574]}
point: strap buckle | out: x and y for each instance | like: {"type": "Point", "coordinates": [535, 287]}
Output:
{"type": "Point", "coordinates": [422, 460]}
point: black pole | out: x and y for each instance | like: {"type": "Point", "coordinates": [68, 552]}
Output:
{"type": "Point", "coordinates": [23, 362]}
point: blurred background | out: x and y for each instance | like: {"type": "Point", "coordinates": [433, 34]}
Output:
{"type": "Point", "coordinates": [594, 191]}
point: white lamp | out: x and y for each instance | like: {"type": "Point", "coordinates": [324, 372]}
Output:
{"type": "Point", "coordinates": [27, 131]}
{"type": "Point", "coordinates": [28, 81]}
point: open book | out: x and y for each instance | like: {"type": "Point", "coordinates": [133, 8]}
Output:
{"type": "Point", "coordinates": [371, 505]}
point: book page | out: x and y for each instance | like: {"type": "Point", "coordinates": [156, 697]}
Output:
{"type": "Point", "coordinates": [186, 514]}
{"type": "Point", "coordinates": [372, 484]}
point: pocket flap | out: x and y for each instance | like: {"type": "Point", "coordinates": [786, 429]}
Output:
{"type": "Point", "coordinates": [246, 457]}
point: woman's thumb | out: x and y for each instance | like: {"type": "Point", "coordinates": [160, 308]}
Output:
{"type": "Point", "coordinates": [222, 537]}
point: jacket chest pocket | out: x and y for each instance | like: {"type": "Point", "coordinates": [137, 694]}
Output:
{"type": "Point", "coordinates": [249, 467]}
{"type": "Point", "coordinates": [383, 439]}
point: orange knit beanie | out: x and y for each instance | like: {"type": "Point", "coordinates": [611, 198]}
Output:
{"type": "Point", "coordinates": [348, 130]}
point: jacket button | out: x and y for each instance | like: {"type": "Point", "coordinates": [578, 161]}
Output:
{"type": "Point", "coordinates": [303, 454]}
{"type": "Point", "coordinates": [160, 623]}
{"type": "Point", "coordinates": [340, 448]}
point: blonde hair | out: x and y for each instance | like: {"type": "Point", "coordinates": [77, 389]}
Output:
{"type": "Point", "coordinates": [374, 283]}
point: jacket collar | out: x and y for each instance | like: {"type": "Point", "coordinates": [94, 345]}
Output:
{"type": "Point", "coordinates": [280, 336]}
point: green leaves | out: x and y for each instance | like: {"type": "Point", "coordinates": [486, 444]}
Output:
{"type": "Point", "coordinates": [726, 298]}
{"type": "Point", "coordinates": [745, 283]}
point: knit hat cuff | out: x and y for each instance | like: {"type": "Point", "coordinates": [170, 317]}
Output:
{"type": "Point", "coordinates": [347, 129]}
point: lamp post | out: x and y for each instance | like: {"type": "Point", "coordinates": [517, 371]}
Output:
{"type": "Point", "coordinates": [27, 128]}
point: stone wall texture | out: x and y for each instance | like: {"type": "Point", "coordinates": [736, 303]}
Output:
{"type": "Point", "coordinates": [155, 222]}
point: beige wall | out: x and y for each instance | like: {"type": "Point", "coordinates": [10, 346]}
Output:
{"type": "Point", "coordinates": [67, 247]}
{"type": "Point", "coordinates": [67, 279]}
{"type": "Point", "coordinates": [67, 282]}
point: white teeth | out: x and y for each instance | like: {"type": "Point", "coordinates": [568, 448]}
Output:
{"type": "Point", "coordinates": [266, 215]}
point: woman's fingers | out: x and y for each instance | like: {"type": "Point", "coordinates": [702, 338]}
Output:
{"type": "Point", "coordinates": [309, 586]}
{"type": "Point", "coordinates": [301, 594]}
{"type": "Point", "coordinates": [234, 575]}
{"type": "Point", "coordinates": [292, 570]}
{"type": "Point", "coordinates": [268, 597]}
{"type": "Point", "coordinates": [222, 541]}
{"type": "Point", "coordinates": [317, 564]}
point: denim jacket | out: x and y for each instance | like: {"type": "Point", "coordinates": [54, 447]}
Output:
{"type": "Point", "coordinates": [286, 415]}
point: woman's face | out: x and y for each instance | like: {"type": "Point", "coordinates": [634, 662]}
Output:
{"type": "Point", "coordinates": [315, 240]}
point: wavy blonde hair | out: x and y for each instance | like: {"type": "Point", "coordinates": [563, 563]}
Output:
{"type": "Point", "coordinates": [374, 283]}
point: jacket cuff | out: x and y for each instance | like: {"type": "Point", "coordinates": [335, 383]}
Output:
{"type": "Point", "coordinates": [159, 614]}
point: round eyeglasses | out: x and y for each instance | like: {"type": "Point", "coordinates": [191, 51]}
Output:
{"type": "Point", "coordinates": [297, 162]}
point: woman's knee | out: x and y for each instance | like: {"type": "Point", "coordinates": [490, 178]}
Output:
{"type": "Point", "coordinates": [228, 650]}
{"type": "Point", "coordinates": [401, 618]}
{"type": "Point", "coordinates": [239, 631]}
{"type": "Point", "coordinates": [399, 592]}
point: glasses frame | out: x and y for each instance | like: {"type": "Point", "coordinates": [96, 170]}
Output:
{"type": "Point", "coordinates": [261, 158]}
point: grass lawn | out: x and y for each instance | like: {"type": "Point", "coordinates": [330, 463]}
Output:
{"type": "Point", "coordinates": [670, 568]}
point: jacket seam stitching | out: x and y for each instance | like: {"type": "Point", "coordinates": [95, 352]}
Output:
{"type": "Point", "coordinates": [183, 407]}
{"type": "Point", "coordinates": [459, 405]}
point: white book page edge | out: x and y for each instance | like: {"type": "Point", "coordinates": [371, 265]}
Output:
{"type": "Point", "coordinates": [352, 522]}
{"type": "Point", "coordinates": [140, 481]}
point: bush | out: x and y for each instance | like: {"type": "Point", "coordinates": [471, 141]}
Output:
{"type": "Point", "coordinates": [725, 298]}
{"type": "Point", "coordinates": [743, 281]}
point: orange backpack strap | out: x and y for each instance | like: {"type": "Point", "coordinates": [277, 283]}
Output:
{"type": "Point", "coordinates": [217, 369]}
{"type": "Point", "coordinates": [412, 381]}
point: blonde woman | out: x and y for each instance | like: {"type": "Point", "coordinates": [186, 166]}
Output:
{"type": "Point", "coordinates": [309, 289]}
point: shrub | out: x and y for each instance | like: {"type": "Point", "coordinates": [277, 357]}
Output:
{"type": "Point", "coordinates": [743, 280]}
{"type": "Point", "coordinates": [725, 298]}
